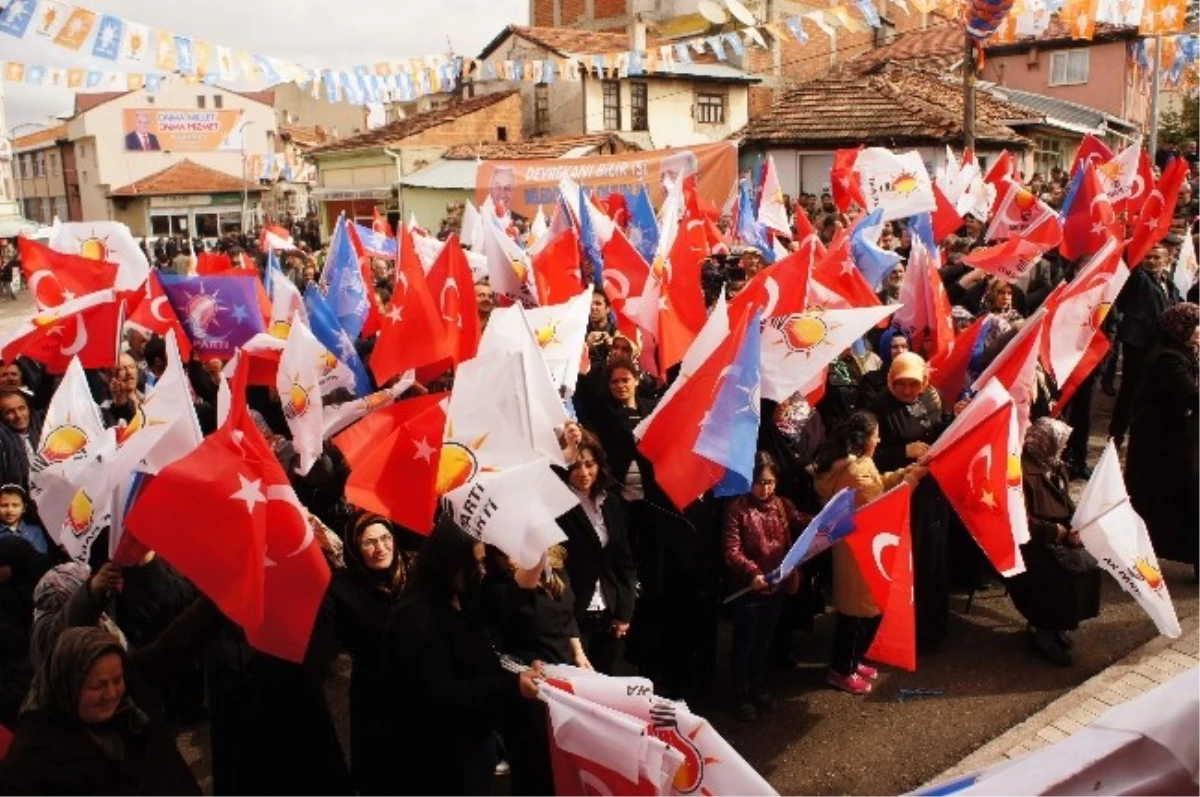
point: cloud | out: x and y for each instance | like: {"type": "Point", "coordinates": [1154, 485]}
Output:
{"type": "Point", "coordinates": [306, 31]}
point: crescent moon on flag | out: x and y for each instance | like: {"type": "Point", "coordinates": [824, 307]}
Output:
{"type": "Point", "coordinates": [402, 279]}
{"type": "Point", "coordinates": [884, 539]}
{"type": "Point", "coordinates": [451, 281]}
{"type": "Point", "coordinates": [154, 305]}
{"type": "Point", "coordinates": [1098, 198]}
{"type": "Point", "coordinates": [620, 281]}
{"type": "Point", "coordinates": [37, 277]}
{"type": "Point", "coordinates": [1137, 187]}
{"type": "Point", "coordinates": [284, 494]}
{"type": "Point", "coordinates": [81, 339]}
{"type": "Point", "coordinates": [772, 289]}
{"type": "Point", "coordinates": [984, 454]}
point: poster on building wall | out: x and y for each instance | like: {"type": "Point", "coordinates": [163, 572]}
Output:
{"type": "Point", "coordinates": [181, 130]}
{"type": "Point", "coordinates": [522, 185]}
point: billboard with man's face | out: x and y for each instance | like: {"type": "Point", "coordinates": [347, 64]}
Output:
{"type": "Point", "coordinates": [520, 186]}
{"type": "Point", "coordinates": [181, 130]}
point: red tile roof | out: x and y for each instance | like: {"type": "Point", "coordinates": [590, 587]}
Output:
{"type": "Point", "coordinates": [304, 136]}
{"type": "Point", "coordinates": [186, 177]}
{"type": "Point", "coordinates": [397, 131]}
{"type": "Point", "coordinates": [86, 102]}
{"type": "Point", "coordinates": [940, 46]}
{"type": "Point", "coordinates": [904, 107]}
{"type": "Point", "coordinates": [47, 135]}
{"type": "Point", "coordinates": [549, 147]}
{"type": "Point", "coordinates": [564, 41]}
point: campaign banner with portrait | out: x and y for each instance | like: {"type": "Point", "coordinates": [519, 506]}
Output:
{"type": "Point", "coordinates": [522, 185]}
{"type": "Point", "coordinates": [181, 130]}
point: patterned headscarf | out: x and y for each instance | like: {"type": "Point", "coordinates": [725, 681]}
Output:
{"type": "Point", "coordinates": [1045, 441]}
{"type": "Point", "coordinates": [50, 596]}
{"type": "Point", "coordinates": [1179, 322]}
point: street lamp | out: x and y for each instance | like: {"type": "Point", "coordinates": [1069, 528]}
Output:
{"type": "Point", "coordinates": [245, 179]}
{"type": "Point", "coordinates": [18, 179]}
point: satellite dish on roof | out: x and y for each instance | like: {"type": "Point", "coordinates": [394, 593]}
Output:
{"type": "Point", "coordinates": [710, 10]}
{"type": "Point", "coordinates": [682, 26]}
{"type": "Point", "coordinates": [740, 12]}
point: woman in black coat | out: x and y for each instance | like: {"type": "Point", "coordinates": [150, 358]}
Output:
{"type": "Point", "coordinates": [599, 561]}
{"type": "Point", "coordinates": [447, 692]}
{"type": "Point", "coordinates": [82, 731]}
{"type": "Point", "coordinates": [1061, 583]}
{"type": "Point", "coordinates": [1161, 471]}
{"type": "Point", "coordinates": [910, 420]}
{"type": "Point", "coordinates": [361, 595]}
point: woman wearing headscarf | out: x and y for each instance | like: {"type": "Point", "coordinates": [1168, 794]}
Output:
{"type": "Point", "coordinates": [1061, 583]}
{"type": "Point", "coordinates": [362, 594]}
{"type": "Point", "coordinates": [1161, 468]}
{"type": "Point", "coordinates": [448, 692]}
{"type": "Point", "coordinates": [69, 595]}
{"type": "Point", "coordinates": [892, 343]}
{"type": "Point", "coordinates": [910, 420]}
{"type": "Point", "coordinates": [89, 725]}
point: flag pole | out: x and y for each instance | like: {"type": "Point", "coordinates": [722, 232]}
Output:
{"type": "Point", "coordinates": [969, 75]}
{"type": "Point", "coordinates": [1156, 65]}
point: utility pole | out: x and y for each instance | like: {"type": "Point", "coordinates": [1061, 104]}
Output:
{"type": "Point", "coordinates": [969, 77]}
{"type": "Point", "coordinates": [1156, 65]}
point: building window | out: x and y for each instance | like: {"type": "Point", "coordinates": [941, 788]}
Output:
{"type": "Point", "coordinates": [54, 164]}
{"type": "Point", "coordinates": [541, 109]}
{"type": "Point", "coordinates": [502, 134]}
{"type": "Point", "coordinates": [201, 101]}
{"type": "Point", "coordinates": [82, 151]}
{"type": "Point", "coordinates": [60, 208]}
{"type": "Point", "coordinates": [639, 106]}
{"type": "Point", "coordinates": [1069, 68]}
{"type": "Point", "coordinates": [1048, 154]}
{"type": "Point", "coordinates": [83, 177]}
{"type": "Point", "coordinates": [26, 167]}
{"type": "Point", "coordinates": [39, 169]}
{"type": "Point", "coordinates": [710, 109]}
{"type": "Point", "coordinates": [218, 101]}
{"type": "Point", "coordinates": [612, 104]}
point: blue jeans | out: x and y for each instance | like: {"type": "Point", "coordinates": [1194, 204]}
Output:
{"type": "Point", "coordinates": [754, 619]}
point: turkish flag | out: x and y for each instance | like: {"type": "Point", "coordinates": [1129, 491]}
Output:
{"type": "Point", "coordinates": [845, 184]}
{"type": "Point", "coordinates": [1076, 310]}
{"type": "Point", "coordinates": [380, 223]}
{"type": "Point", "coordinates": [683, 312]}
{"type": "Point", "coordinates": [778, 290]}
{"type": "Point", "coordinates": [556, 271]}
{"type": "Point", "coordinates": [449, 276]}
{"type": "Point", "coordinates": [1015, 368]}
{"type": "Point", "coordinates": [1139, 192]}
{"type": "Point", "coordinates": [1154, 221]}
{"type": "Point", "coordinates": [1003, 169]}
{"type": "Point", "coordinates": [155, 316]}
{"type": "Point", "coordinates": [412, 333]}
{"type": "Point", "coordinates": [393, 456]}
{"type": "Point", "coordinates": [625, 270]}
{"type": "Point", "coordinates": [88, 328]}
{"type": "Point", "coordinates": [977, 471]}
{"type": "Point", "coordinates": [1093, 355]}
{"type": "Point", "coordinates": [1091, 150]}
{"type": "Point", "coordinates": [837, 272]}
{"type": "Point", "coordinates": [949, 370]}
{"type": "Point", "coordinates": [946, 219]}
{"type": "Point", "coordinates": [56, 277]}
{"type": "Point", "coordinates": [1088, 217]}
{"type": "Point", "coordinates": [1010, 260]}
{"type": "Point", "coordinates": [882, 546]}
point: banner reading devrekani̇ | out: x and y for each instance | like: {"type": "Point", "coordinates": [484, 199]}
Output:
{"type": "Point", "coordinates": [521, 186]}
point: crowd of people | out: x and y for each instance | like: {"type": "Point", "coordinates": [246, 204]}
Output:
{"type": "Point", "coordinates": [99, 662]}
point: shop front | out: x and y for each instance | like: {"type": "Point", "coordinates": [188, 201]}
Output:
{"type": "Point", "coordinates": [195, 215]}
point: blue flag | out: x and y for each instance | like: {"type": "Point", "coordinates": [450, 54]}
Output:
{"type": "Point", "coordinates": [15, 18]}
{"type": "Point", "coordinates": [183, 55]}
{"type": "Point", "coordinates": [749, 231]}
{"type": "Point", "coordinates": [729, 435]}
{"type": "Point", "coordinates": [108, 38]}
{"type": "Point", "coordinates": [1072, 192]}
{"type": "Point", "coordinates": [219, 313]}
{"type": "Point", "coordinates": [872, 261]}
{"type": "Point", "coordinates": [269, 273]}
{"type": "Point", "coordinates": [345, 291]}
{"type": "Point", "coordinates": [588, 241]}
{"type": "Point", "coordinates": [325, 327]}
{"type": "Point", "coordinates": [643, 227]}
{"type": "Point", "coordinates": [830, 525]}
{"type": "Point", "coordinates": [921, 226]}
{"type": "Point", "coordinates": [375, 243]}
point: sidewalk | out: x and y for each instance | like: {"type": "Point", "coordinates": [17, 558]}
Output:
{"type": "Point", "coordinates": [1159, 660]}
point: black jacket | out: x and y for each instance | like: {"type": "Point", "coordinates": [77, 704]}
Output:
{"type": "Point", "coordinates": [14, 462]}
{"type": "Point", "coordinates": [1141, 302]}
{"type": "Point", "coordinates": [611, 566]}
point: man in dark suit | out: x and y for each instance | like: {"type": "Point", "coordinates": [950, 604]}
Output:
{"type": "Point", "coordinates": [140, 138]}
{"type": "Point", "coordinates": [1145, 296]}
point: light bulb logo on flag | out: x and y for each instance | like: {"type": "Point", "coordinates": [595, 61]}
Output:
{"type": "Point", "coordinates": [803, 332]}
{"type": "Point", "coordinates": [63, 443]}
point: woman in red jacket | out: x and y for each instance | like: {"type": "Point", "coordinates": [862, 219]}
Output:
{"type": "Point", "coordinates": [758, 532]}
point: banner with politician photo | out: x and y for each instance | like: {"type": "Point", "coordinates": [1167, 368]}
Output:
{"type": "Point", "coordinates": [181, 130]}
{"type": "Point", "coordinates": [520, 186]}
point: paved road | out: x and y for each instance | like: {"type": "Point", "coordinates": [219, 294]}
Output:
{"type": "Point", "coordinates": [825, 742]}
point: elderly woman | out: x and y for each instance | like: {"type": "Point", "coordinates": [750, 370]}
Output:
{"type": "Point", "coordinates": [910, 420]}
{"type": "Point", "coordinates": [1061, 583]}
{"type": "Point", "coordinates": [70, 595]}
{"type": "Point", "coordinates": [1161, 469]}
{"type": "Point", "coordinates": [90, 725]}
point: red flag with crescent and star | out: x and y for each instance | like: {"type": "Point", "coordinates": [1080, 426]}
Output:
{"type": "Point", "coordinates": [56, 277]}
{"type": "Point", "coordinates": [882, 546]}
{"type": "Point", "coordinates": [1154, 220]}
{"type": "Point", "coordinates": [155, 316]}
{"type": "Point", "coordinates": [453, 290]}
{"type": "Point", "coordinates": [88, 328]}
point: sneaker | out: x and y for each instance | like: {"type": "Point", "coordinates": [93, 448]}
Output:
{"type": "Point", "coordinates": [503, 770]}
{"type": "Point", "coordinates": [852, 684]}
{"type": "Point", "coordinates": [763, 701]}
{"type": "Point", "coordinates": [1063, 639]}
{"type": "Point", "coordinates": [746, 712]}
{"type": "Point", "coordinates": [867, 672]}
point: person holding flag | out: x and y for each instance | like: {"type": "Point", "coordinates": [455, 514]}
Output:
{"type": "Point", "coordinates": [844, 460]}
{"type": "Point", "coordinates": [758, 532]}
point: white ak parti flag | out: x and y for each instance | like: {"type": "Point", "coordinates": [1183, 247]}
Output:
{"type": "Point", "coordinates": [1115, 534]}
{"type": "Point", "coordinates": [298, 381]}
{"type": "Point", "coordinates": [897, 183]}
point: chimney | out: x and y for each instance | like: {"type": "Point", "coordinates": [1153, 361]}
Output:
{"type": "Point", "coordinates": [637, 34]}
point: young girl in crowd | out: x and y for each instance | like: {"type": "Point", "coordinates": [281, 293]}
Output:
{"type": "Point", "coordinates": [12, 519]}
{"type": "Point", "coordinates": [759, 529]}
{"type": "Point", "coordinates": [845, 461]}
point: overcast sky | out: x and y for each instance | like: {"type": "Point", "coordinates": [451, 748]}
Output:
{"type": "Point", "coordinates": [311, 32]}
